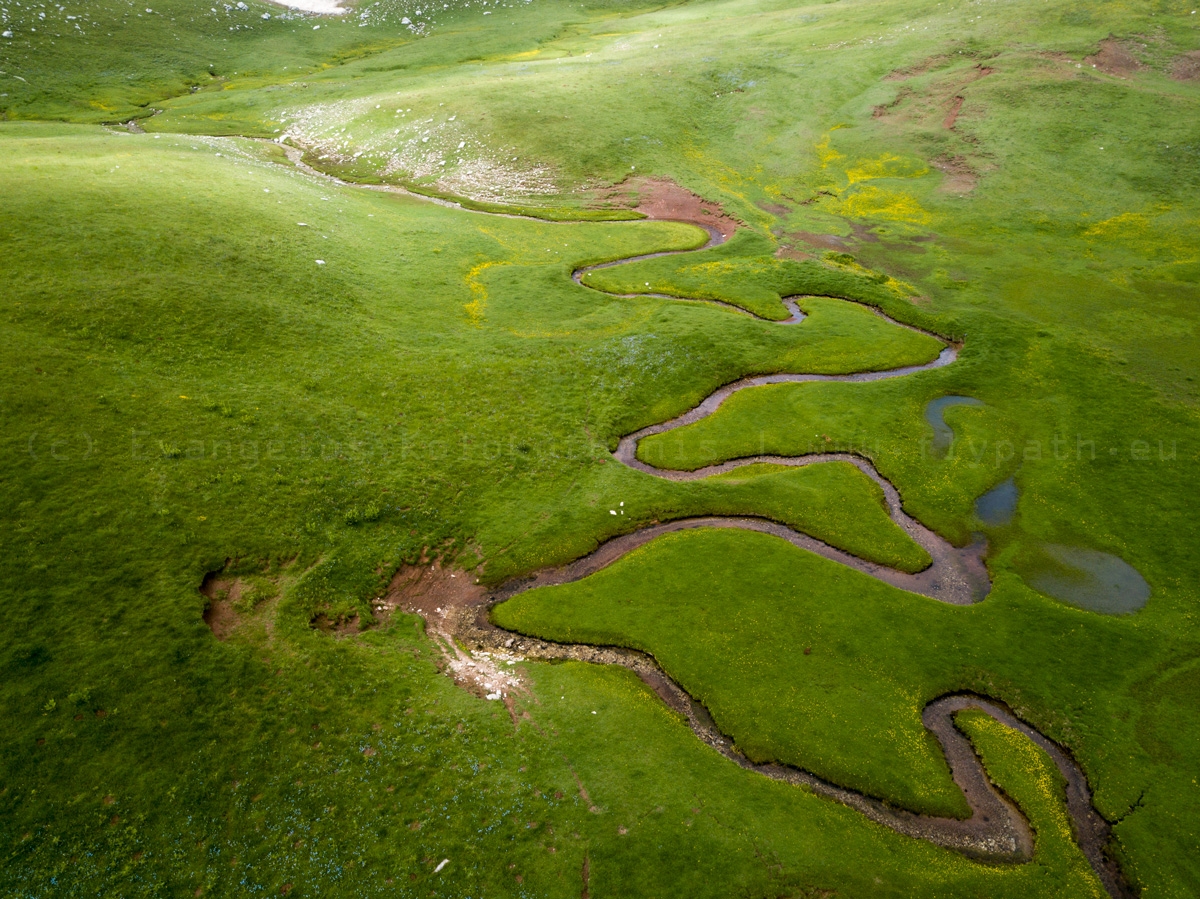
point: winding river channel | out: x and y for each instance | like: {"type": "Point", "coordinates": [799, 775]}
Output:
{"type": "Point", "coordinates": [996, 831]}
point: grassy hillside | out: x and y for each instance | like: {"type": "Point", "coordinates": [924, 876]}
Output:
{"type": "Point", "coordinates": [215, 359]}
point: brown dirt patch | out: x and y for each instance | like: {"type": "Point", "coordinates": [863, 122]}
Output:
{"type": "Point", "coordinates": [1186, 67]}
{"type": "Point", "coordinates": [431, 590]}
{"type": "Point", "coordinates": [952, 114]}
{"type": "Point", "coordinates": [232, 601]}
{"type": "Point", "coordinates": [776, 209]}
{"type": "Point", "coordinates": [664, 200]}
{"type": "Point", "coordinates": [820, 241]}
{"type": "Point", "coordinates": [796, 254]}
{"type": "Point", "coordinates": [219, 614]}
{"type": "Point", "coordinates": [878, 112]}
{"type": "Point", "coordinates": [960, 178]}
{"type": "Point", "coordinates": [1113, 58]}
{"type": "Point", "coordinates": [338, 627]}
{"type": "Point", "coordinates": [449, 600]}
{"type": "Point", "coordinates": [920, 68]}
{"type": "Point", "coordinates": [943, 98]}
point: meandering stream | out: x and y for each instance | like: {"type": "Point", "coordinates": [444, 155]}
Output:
{"type": "Point", "coordinates": [996, 830]}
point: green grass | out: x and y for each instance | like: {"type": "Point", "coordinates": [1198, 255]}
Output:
{"type": "Point", "coordinates": [736, 272]}
{"type": "Point", "coordinates": [440, 384]}
{"type": "Point", "coordinates": [1030, 778]}
{"type": "Point", "coordinates": [728, 614]}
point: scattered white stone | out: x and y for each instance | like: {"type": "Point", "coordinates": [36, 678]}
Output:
{"type": "Point", "coordinates": [266, 15]}
{"type": "Point", "coordinates": [6, 34]}
{"type": "Point", "coordinates": [320, 262]}
{"type": "Point", "coordinates": [406, 21]}
{"type": "Point", "coordinates": [441, 865]}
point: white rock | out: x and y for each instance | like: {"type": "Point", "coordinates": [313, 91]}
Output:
{"type": "Point", "coordinates": [6, 34]}
{"type": "Point", "coordinates": [406, 21]}
{"type": "Point", "coordinates": [320, 262]}
{"type": "Point", "coordinates": [441, 865]}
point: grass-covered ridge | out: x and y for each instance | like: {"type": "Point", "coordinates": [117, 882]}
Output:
{"type": "Point", "coordinates": [184, 384]}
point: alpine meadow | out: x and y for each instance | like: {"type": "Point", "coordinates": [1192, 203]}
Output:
{"type": "Point", "coordinates": [742, 449]}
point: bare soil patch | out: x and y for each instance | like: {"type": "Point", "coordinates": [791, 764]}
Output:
{"type": "Point", "coordinates": [1113, 58]}
{"type": "Point", "coordinates": [820, 241]}
{"type": "Point", "coordinates": [664, 200]}
{"type": "Point", "coordinates": [960, 178]}
{"type": "Point", "coordinates": [952, 114]}
{"type": "Point", "coordinates": [920, 68]}
{"type": "Point", "coordinates": [429, 590]}
{"type": "Point", "coordinates": [776, 209]}
{"type": "Point", "coordinates": [234, 600]}
{"type": "Point", "coordinates": [1186, 67]}
{"type": "Point", "coordinates": [339, 627]}
{"type": "Point", "coordinates": [450, 601]}
{"type": "Point", "coordinates": [219, 614]}
{"type": "Point", "coordinates": [943, 98]}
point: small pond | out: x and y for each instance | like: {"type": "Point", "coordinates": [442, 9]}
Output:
{"type": "Point", "coordinates": [1089, 579]}
{"type": "Point", "coordinates": [997, 506]}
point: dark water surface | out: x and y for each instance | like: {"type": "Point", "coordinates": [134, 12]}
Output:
{"type": "Point", "coordinates": [1090, 579]}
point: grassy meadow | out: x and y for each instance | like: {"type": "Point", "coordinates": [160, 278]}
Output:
{"type": "Point", "coordinates": [213, 359]}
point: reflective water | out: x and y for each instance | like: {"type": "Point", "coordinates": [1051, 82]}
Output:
{"type": "Point", "coordinates": [1090, 579]}
{"type": "Point", "coordinates": [997, 506]}
{"type": "Point", "coordinates": [943, 434]}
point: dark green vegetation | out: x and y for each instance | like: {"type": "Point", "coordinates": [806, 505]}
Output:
{"type": "Point", "coordinates": [184, 384]}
